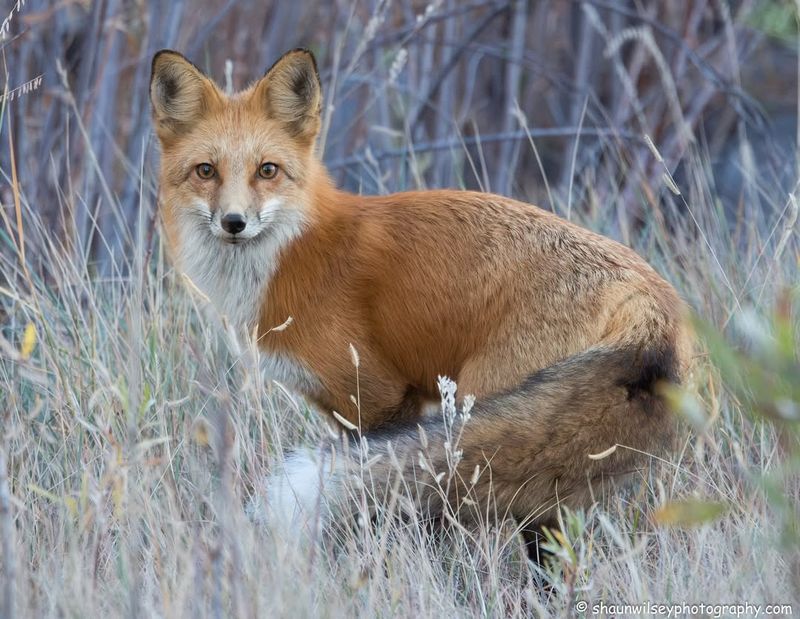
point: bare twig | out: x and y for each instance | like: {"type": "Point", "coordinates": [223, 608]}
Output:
{"type": "Point", "coordinates": [510, 148]}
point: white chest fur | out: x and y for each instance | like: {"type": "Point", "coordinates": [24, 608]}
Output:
{"type": "Point", "coordinates": [235, 278]}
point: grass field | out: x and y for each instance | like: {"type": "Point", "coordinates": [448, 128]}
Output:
{"type": "Point", "coordinates": [136, 429]}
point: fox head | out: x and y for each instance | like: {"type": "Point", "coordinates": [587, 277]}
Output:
{"type": "Point", "coordinates": [236, 164]}
{"type": "Point", "coordinates": [237, 171]}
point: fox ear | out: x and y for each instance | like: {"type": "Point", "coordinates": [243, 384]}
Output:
{"type": "Point", "coordinates": [179, 92]}
{"type": "Point", "coordinates": [290, 92]}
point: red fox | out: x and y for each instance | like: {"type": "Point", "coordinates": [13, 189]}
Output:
{"type": "Point", "coordinates": [563, 336]}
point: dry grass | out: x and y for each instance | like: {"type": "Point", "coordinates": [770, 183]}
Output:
{"type": "Point", "coordinates": [136, 429]}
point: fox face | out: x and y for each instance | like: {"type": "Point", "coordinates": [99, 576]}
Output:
{"type": "Point", "coordinates": [236, 171]}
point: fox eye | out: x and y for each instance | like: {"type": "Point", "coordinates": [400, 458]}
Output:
{"type": "Point", "coordinates": [268, 170]}
{"type": "Point", "coordinates": [205, 171]}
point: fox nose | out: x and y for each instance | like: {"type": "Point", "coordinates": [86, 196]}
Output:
{"type": "Point", "coordinates": [233, 223]}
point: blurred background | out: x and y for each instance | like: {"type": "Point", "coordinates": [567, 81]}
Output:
{"type": "Point", "coordinates": [545, 100]}
{"type": "Point", "coordinates": [135, 429]}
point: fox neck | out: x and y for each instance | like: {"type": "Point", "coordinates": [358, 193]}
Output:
{"type": "Point", "coordinates": [235, 277]}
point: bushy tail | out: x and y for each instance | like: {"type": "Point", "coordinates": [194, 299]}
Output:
{"type": "Point", "coordinates": [551, 441]}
